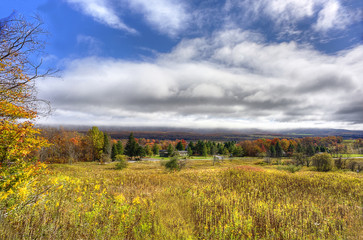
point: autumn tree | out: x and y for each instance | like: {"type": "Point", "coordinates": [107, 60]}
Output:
{"type": "Point", "coordinates": [65, 146]}
{"type": "Point", "coordinates": [156, 149]}
{"type": "Point", "coordinates": [97, 140]}
{"type": "Point", "coordinates": [204, 151]}
{"type": "Point", "coordinates": [190, 151]}
{"type": "Point", "coordinates": [238, 151]}
{"type": "Point", "coordinates": [148, 150]}
{"type": "Point", "coordinates": [20, 43]}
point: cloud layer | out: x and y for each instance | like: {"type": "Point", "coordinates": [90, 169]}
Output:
{"type": "Point", "coordinates": [233, 78]}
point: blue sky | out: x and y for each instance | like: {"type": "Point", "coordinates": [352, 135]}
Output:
{"type": "Point", "coordinates": [230, 64]}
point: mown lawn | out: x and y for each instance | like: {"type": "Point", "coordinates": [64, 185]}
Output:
{"type": "Point", "coordinates": [230, 200]}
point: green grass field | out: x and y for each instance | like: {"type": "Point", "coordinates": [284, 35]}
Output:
{"type": "Point", "coordinates": [352, 155]}
{"type": "Point", "coordinates": [230, 200]}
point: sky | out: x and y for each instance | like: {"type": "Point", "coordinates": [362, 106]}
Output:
{"type": "Point", "coordinates": [268, 64]}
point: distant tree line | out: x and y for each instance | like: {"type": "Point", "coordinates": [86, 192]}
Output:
{"type": "Point", "coordinates": [95, 145]}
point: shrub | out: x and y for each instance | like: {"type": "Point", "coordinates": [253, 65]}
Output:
{"type": "Point", "coordinates": [288, 162]}
{"type": "Point", "coordinates": [355, 166]}
{"type": "Point", "coordinates": [323, 162]}
{"type": "Point", "coordinates": [175, 164]}
{"type": "Point", "coordinates": [299, 159]}
{"type": "Point", "coordinates": [121, 162]}
{"type": "Point", "coordinates": [340, 163]}
{"type": "Point", "coordinates": [105, 158]}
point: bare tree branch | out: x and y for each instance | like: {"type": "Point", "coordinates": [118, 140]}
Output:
{"type": "Point", "coordinates": [20, 43]}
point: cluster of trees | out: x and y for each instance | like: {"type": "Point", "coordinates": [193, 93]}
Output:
{"type": "Point", "coordinates": [68, 146]}
{"type": "Point", "coordinates": [71, 146]}
{"type": "Point", "coordinates": [358, 146]}
{"type": "Point", "coordinates": [287, 147]}
{"type": "Point", "coordinates": [205, 148]}
{"type": "Point", "coordinates": [116, 149]}
{"type": "Point", "coordinates": [134, 150]}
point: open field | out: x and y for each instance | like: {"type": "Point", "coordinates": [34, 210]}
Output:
{"type": "Point", "coordinates": [157, 157]}
{"type": "Point", "coordinates": [232, 200]}
{"type": "Point", "coordinates": [352, 155]}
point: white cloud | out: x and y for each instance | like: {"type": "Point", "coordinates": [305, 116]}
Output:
{"type": "Point", "coordinates": [167, 16]}
{"type": "Point", "coordinates": [333, 15]}
{"type": "Point", "coordinates": [225, 83]}
{"type": "Point", "coordinates": [102, 12]}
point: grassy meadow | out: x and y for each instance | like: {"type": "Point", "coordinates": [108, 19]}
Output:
{"type": "Point", "coordinates": [231, 200]}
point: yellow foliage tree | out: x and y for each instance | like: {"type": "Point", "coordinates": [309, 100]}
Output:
{"type": "Point", "coordinates": [19, 39]}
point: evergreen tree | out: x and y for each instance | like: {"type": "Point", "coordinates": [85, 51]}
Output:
{"type": "Point", "coordinates": [114, 152]}
{"type": "Point", "coordinates": [106, 144]}
{"type": "Point", "coordinates": [225, 151]}
{"type": "Point", "coordinates": [120, 148]}
{"type": "Point", "coordinates": [192, 147]}
{"type": "Point", "coordinates": [230, 146]}
{"type": "Point", "coordinates": [317, 149]}
{"type": "Point", "coordinates": [170, 150]}
{"type": "Point", "coordinates": [310, 150]}
{"type": "Point", "coordinates": [190, 151]}
{"type": "Point", "coordinates": [299, 148]}
{"type": "Point", "coordinates": [220, 148]}
{"type": "Point", "coordinates": [278, 150]}
{"type": "Point", "coordinates": [272, 151]}
{"type": "Point", "coordinates": [199, 148]}
{"type": "Point", "coordinates": [179, 146]}
{"type": "Point", "coordinates": [131, 148]}
{"type": "Point", "coordinates": [140, 152]}
{"type": "Point", "coordinates": [213, 149]}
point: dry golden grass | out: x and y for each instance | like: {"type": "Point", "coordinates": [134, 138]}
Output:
{"type": "Point", "coordinates": [227, 201]}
